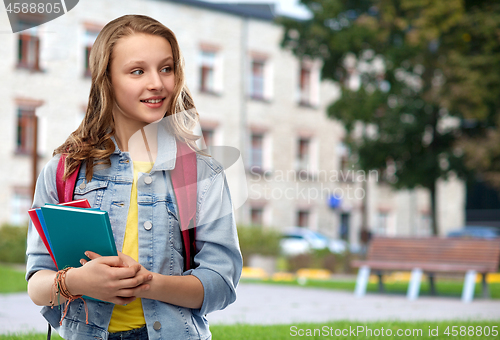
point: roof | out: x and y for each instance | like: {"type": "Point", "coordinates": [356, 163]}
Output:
{"type": "Point", "coordinates": [261, 11]}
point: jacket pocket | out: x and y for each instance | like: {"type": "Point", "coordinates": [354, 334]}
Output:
{"type": "Point", "coordinates": [174, 227]}
{"type": "Point", "coordinates": [93, 191]}
{"type": "Point", "coordinates": [171, 208]}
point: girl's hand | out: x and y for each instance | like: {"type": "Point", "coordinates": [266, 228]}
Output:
{"type": "Point", "coordinates": [107, 278]}
{"type": "Point", "coordinates": [129, 261]}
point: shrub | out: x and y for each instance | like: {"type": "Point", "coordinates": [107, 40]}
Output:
{"type": "Point", "coordinates": [13, 243]}
{"type": "Point", "coordinates": [259, 240]}
{"type": "Point", "coordinates": [321, 259]}
{"type": "Point", "coordinates": [300, 261]}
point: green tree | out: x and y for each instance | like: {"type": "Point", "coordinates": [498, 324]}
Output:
{"type": "Point", "coordinates": [409, 73]}
{"type": "Point", "coordinates": [474, 77]}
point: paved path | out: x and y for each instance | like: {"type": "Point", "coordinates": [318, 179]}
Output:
{"type": "Point", "coordinates": [272, 304]}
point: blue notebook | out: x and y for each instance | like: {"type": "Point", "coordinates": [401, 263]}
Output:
{"type": "Point", "coordinates": [44, 227]}
{"type": "Point", "coordinates": [72, 231]}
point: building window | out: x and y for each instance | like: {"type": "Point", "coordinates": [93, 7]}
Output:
{"type": "Point", "coordinates": [90, 37]}
{"type": "Point", "coordinates": [306, 157]}
{"type": "Point", "coordinates": [20, 204]}
{"type": "Point", "coordinates": [344, 226]}
{"type": "Point", "coordinates": [210, 63]}
{"type": "Point", "coordinates": [383, 223]}
{"type": "Point", "coordinates": [305, 86]}
{"type": "Point", "coordinates": [257, 84]}
{"type": "Point", "coordinates": [257, 152]}
{"type": "Point", "coordinates": [257, 216]}
{"type": "Point", "coordinates": [29, 50]}
{"type": "Point", "coordinates": [207, 82]}
{"type": "Point", "coordinates": [25, 130]}
{"type": "Point", "coordinates": [260, 86]}
{"type": "Point", "coordinates": [303, 154]}
{"type": "Point", "coordinates": [308, 84]}
{"type": "Point", "coordinates": [303, 218]}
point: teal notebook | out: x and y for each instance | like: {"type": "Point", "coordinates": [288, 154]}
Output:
{"type": "Point", "coordinates": [44, 227]}
{"type": "Point", "coordinates": [72, 231]}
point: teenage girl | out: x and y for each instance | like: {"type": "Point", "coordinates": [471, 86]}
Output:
{"type": "Point", "coordinates": [144, 292]}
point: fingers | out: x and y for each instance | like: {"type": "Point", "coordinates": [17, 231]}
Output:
{"type": "Point", "coordinates": [91, 255]}
{"type": "Point", "coordinates": [112, 261]}
{"type": "Point", "coordinates": [133, 292]}
{"type": "Point", "coordinates": [135, 281]}
{"type": "Point", "coordinates": [120, 261]}
{"type": "Point", "coordinates": [115, 267]}
{"type": "Point", "coordinates": [83, 262]}
{"type": "Point", "coordinates": [126, 272]}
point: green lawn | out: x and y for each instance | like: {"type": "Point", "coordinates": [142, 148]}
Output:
{"type": "Point", "coordinates": [419, 330]}
{"type": "Point", "coordinates": [12, 280]}
{"type": "Point", "coordinates": [443, 287]}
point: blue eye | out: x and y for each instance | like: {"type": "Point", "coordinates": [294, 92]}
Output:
{"type": "Point", "coordinates": [134, 72]}
{"type": "Point", "coordinates": [168, 68]}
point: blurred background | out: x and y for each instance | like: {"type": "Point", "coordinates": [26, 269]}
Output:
{"type": "Point", "coordinates": [355, 119]}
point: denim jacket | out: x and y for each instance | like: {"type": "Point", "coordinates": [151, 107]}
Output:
{"type": "Point", "coordinates": [218, 260]}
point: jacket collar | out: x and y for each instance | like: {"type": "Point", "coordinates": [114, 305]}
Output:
{"type": "Point", "coordinates": [167, 148]}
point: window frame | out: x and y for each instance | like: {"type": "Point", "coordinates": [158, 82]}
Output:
{"type": "Point", "coordinates": [259, 168]}
{"type": "Point", "coordinates": [299, 215]}
{"type": "Point", "coordinates": [260, 210]}
{"type": "Point", "coordinates": [210, 69]}
{"type": "Point", "coordinates": [308, 96]}
{"type": "Point", "coordinates": [305, 86]}
{"type": "Point", "coordinates": [207, 71]}
{"type": "Point", "coordinates": [300, 148]}
{"type": "Point", "coordinates": [257, 95]}
{"type": "Point", "coordinates": [24, 130]}
{"type": "Point", "coordinates": [28, 55]}
{"type": "Point", "coordinates": [260, 84]}
{"type": "Point", "coordinates": [20, 203]}
{"type": "Point", "coordinates": [29, 107]}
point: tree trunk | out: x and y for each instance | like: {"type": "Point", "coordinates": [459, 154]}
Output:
{"type": "Point", "coordinates": [364, 234]}
{"type": "Point", "coordinates": [434, 222]}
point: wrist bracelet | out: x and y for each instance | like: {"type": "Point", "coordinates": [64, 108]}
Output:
{"type": "Point", "coordinates": [60, 289]}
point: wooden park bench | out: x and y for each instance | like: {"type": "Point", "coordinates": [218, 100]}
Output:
{"type": "Point", "coordinates": [430, 255]}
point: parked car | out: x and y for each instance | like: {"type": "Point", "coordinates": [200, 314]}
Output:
{"type": "Point", "coordinates": [476, 232]}
{"type": "Point", "coordinates": [299, 240]}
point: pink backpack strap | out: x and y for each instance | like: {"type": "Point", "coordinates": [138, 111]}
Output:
{"type": "Point", "coordinates": [184, 178]}
{"type": "Point", "coordinates": [65, 188]}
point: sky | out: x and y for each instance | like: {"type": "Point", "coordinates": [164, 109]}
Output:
{"type": "Point", "coordinates": [285, 7]}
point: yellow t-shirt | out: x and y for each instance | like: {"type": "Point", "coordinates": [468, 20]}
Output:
{"type": "Point", "coordinates": [131, 316]}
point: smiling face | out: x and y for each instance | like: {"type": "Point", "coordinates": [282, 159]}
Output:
{"type": "Point", "coordinates": [142, 76]}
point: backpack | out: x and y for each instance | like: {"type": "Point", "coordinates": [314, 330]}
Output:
{"type": "Point", "coordinates": [184, 181]}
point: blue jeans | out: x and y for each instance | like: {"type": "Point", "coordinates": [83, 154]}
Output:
{"type": "Point", "coordinates": [134, 334]}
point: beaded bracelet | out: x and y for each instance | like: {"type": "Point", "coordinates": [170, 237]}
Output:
{"type": "Point", "coordinates": [60, 289]}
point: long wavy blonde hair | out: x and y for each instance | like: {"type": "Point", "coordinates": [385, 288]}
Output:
{"type": "Point", "coordinates": [91, 141]}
